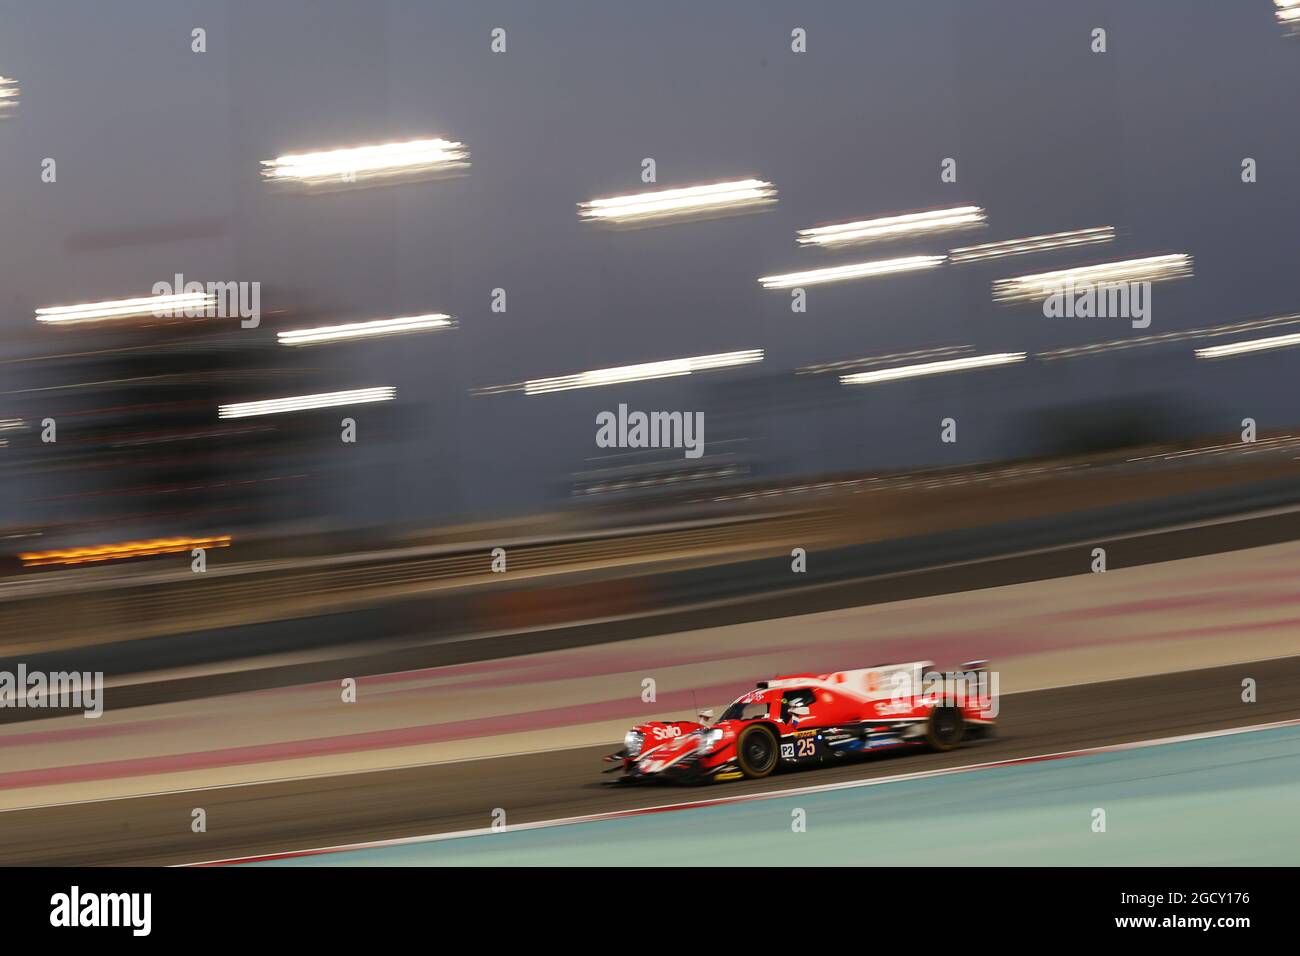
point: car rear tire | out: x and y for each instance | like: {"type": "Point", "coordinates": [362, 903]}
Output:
{"type": "Point", "coordinates": [945, 729]}
{"type": "Point", "coordinates": [757, 751]}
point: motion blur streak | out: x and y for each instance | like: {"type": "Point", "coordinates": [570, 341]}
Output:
{"type": "Point", "coordinates": [298, 403]}
{"type": "Point", "coordinates": [193, 303]}
{"type": "Point", "coordinates": [1254, 345]}
{"type": "Point", "coordinates": [1167, 337]}
{"type": "Point", "coordinates": [115, 552]}
{"type": "Point", "coordinates": [686, 200]}
{"type": "Point", "coordinates": [892, 227]}
{"type": "Point", "coordinates": [1043, 284]}
{"type": "Point", "coordinates": [1283, 443]}
{"type": "Point", "coordinates": [933, 368]}
{"type": "Point", "coordinates": [8, 94]}
{"type": "Point", "coordinates": [368, 162]}
{"type": "Point", "coordinates": [1044, 243]}
{"type": "Point", "coordinates": [945, 351]}
{"type": "Point", "coordinates": [357, 330]}
{"type": "Point", "coordinates": [856, 270]}
{"type": "Point", "coordinates": [632, 373]}
{"type": "Point", "coordinates": [1288, 11]}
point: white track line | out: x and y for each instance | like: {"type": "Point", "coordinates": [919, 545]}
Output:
{"type": "Point", "coordinates": [750, 797]}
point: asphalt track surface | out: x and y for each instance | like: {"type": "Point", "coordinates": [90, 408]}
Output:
{"type": "Point", "coordinates": [251, 820]}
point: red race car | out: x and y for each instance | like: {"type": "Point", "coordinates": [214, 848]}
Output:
{"type": "Point", "coordinates": [813, 719]}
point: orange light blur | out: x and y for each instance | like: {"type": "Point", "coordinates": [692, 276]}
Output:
{"type": "Point", "coordinates": [117, 552]}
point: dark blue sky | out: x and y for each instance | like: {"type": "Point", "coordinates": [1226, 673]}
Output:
{"type": "Point", "coordinates": [1048, 136]}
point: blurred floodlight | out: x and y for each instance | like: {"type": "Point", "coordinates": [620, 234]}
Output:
{"type": "Point", "coordinates": [932, 368]}
{"type": "Point", "coordinates": [1288, 12]}
{"type": "Point", "coordinates": [1044, 284]}
{"type": "Point", "coordinates": [683, 201]}
{"type": "Point", "coordinates": [301, 403]}
{"type": "Point", "coordinates": [634, 373]}
{"type": "Point", "coordinates": [1253, 345]}
{"type": "Point", "coordinates": [185, 303]}
{"type": "Point", "coordinates": [367, 163]}
{"type": "Point", "coordinates": [359, 330]}
{"type": "Point", "coordinates": [8, 94]}
{"type": "Point", "coordinates": [856, 270]}
{"type": "Point", "coordinates": [893, 227]}
{"type": "Point", "coordinates": [1044, 243]}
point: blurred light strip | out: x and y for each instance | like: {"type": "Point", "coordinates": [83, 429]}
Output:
{"type": "Point", "coordinates": [358, 330]}
{"type": "Point", "coordinates": [1044, 284]}
{"type": "Point", "coordinates": [1019, 247]}
{"type": "Point", "coordinates": [680, 201]}
{"type": "Point", "coordinates": [153, 305]}
{"type": "Point", "coordinates": [384, 159]}
{"type": "Point", "coordinates": [892, 227]}
{"type": "Point", "coordinates": [117, 552]}
{"type": "Point", "coordinates": [857, 270]}
{"type": "Point", "coordinates": [932, 368]}
{"type": "Point", "coordinates": [301, 403]}
{"type": "Point", "coordinates": [1288, 11]}
{"type": "Point", "coordinates": [9, 91]}
{"type": "Point", "coordinates": [1253, 345]}
{"type": "Point", "coordinates": [641, 373]}
{"type": "Point", "coordinates": [10, 423]}
{"type": "Point", "coordinates": [1166, 337]}
{"type": "Point", "coordinates": [945, 351]}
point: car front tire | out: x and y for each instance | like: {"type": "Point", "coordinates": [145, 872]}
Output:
{"type": "Point", "coordinates": [757, 751]}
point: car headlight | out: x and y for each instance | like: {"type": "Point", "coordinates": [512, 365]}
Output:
{"type": "Point", "coordinates": [710, 738]}
{"type": "Point", "coordinates": [633, 742]}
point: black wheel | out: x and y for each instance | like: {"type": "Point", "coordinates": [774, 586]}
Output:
{"type": "Point", "coordinates": [945, 728]}
{"type": "Point", "coordinates": [756, 751]}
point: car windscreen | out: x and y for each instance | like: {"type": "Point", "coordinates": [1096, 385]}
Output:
{"type": "Point", "coordinates": [744, 711]}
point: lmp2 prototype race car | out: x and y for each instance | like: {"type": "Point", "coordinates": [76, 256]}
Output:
{"type": "Point", "coordinates": [806, 719]}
